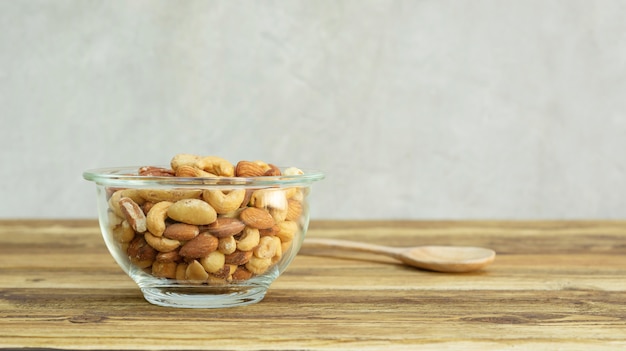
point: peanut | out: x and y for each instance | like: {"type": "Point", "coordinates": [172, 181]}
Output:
{"type": "Point", "coordinates": [227, 245]}
{"type": "Point", "coordinates": [195, 273]}
{"type": "Point", "coordinates": [213, 262]}
{"type": "Point", "coordinates": [181, 272]}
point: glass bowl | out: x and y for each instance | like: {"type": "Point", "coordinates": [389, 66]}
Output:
{"type": "Point", "coordinates": [202, 242]}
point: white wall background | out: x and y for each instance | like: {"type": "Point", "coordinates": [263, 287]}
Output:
{"type": "Point", "coordinates": [414, 109]}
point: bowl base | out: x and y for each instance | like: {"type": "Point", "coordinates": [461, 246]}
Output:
{"type": "Point", "coordinates": [195, 297]}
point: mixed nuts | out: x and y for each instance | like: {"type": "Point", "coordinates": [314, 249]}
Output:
{"type": "Point", "coordinates": [206, 236]}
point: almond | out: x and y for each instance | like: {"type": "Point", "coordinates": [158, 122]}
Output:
{"type": "Point", "coordinates": [225, 226]}
{"type": "Point", "coordinates": [294, 210]}
{"type": "Point", "coordinates": [273, 171]}
{"type": "Point", "coordinates": [140, 253]}
{"type": "Point", "coordinates": [275, 229]}
{"type": "Point", "coordinates": [223, 272]}
{"type": "Point", "coordinates": [171, 256]}
{"type": "Point", "coordinates": [133, 214]}
{"type": "Point", "coordinates": [155, 171]}
{"type": "Point", "coordinates": [248, 169]}
{"type": "Point", "coordinates": [242, 274]}
{"type": "Point", "coordinates": [191, 171]}
{"type": "Point", "coordinates": [238, 257]}
{"type": "Point", "coordinates": [164, 269]}
{"type": "Point", "coordinates": [200, 246]}
{"type": "Point", "coordinates": [256, 218]}
{"type": "Point", "coordinates": [172, 195]}
{"type": "Point", "coordinates": [181, 231]}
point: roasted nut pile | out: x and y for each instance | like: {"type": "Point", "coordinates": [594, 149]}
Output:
{"type": "Point", "coordinates": [203, 236]}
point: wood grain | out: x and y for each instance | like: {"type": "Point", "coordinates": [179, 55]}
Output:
{"type": "Point", "coordinates": [554, 285]}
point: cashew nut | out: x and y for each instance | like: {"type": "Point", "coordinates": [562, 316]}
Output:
{"type": "Point", "coordinates": [123, 233]}
{"type": "Point", "coordinates": [279, 214]}
{"type": "Point", "coordinates": [287, 231]}
{"type": "Point", "coordinates": [216, 165]}
{"type": "Point", "coordinates": [279, 250]}
{"type": "Point", "coordinates": [224, 202]}
{"type": "Point", "coordinates": [114, 220]}
{"type": "Point", "coordinates": [183, 159]}
{"type": "Point", "coordinates": [267, 247]}
{"type": "Point", "coordinates": [155, 219]}
{"type": "Point", "coordinates": [161, 243]}
{"type": "Point", "coordinates": [293, 171]}
{"type": "Point", "coordinates": [258, 265]}
{"type": "Point", "coordinates": [269, 198]}
{"type": "Point", "coordinates": [249, 239]}
{"type": "Point", "coordinates": [191, 171]}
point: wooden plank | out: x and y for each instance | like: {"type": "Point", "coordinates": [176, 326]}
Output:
{"type": "Point", "coordinates": [553, 285]}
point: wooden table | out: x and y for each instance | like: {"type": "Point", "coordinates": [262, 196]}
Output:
{"type": "Point", "coordinates": [554, 285]}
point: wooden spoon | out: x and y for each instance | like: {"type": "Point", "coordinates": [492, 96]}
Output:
{"type": "Point", "coordinates": [448, 259]}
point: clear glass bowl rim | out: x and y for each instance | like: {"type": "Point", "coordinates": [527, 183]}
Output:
{"type": "Point", "coordinates": [127, 177]}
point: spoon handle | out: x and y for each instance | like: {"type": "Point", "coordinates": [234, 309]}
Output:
{"type": "Point", "coordinates": [351, 245]}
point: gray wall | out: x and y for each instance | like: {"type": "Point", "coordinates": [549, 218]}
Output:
{"type": "Point", "coordinates": [414, 109]}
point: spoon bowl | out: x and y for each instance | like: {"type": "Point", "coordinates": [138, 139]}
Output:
{"type": "Point", "coordinates": [447, 259]}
